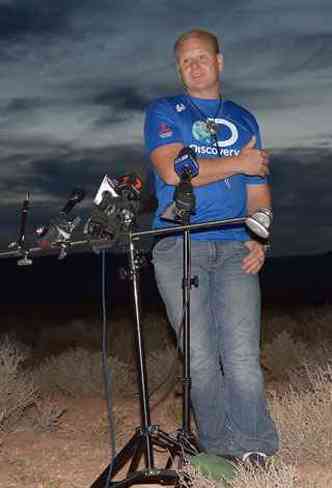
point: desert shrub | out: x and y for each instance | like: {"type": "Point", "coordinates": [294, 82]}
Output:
{"type": "Point", "coordinates": [158, 333]}
{"type": "Point", "coordinates": [273, 325]}
{"type": "Point", "coordinates": [163, 368]}
{"type": "Point", "coordinates": [309, 324]}
{"type": "Point", "coordinates": [283, 354]}
{"type": "Point", "coordinates": [79, 372]}
{"type": "Point", "coordinates": [304, 417]}
{"type": "Point", "coordinates": [61, 337]}
{"type": "Point", "coordinates": [47, 414]}
{"type": "Point", "coordinates": [86, 334]}
{"type": "Point", "coordinates": [17, 389]}
{"type": "Point", "coordinates": [275, 475]}
{"type": "Point", "coordinates": [318, 358]}
{"type": "Point", "coordinates": [314, 323]}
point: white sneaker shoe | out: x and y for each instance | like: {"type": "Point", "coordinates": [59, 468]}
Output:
{"type": "Point", "coordinates": [254, 458]}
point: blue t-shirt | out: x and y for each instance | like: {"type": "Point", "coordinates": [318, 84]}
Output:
{"type": "Point", "coordinates": [182, 119]}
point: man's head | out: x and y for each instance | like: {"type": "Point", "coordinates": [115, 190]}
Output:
{"type": "Point", "coordinates": [201, 34]}
{"type": "Point", "coordinates": [199, 62]}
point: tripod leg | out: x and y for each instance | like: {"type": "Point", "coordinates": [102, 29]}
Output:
{"type": "Point", "coordinates": [137, 456]}
{"type": "Point", "coordinates": [141, 366]}
{"type": "Point", "coordinates": [128, 451]}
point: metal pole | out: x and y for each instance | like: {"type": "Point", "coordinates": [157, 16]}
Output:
{"type": "Point", "coordinates": [142, 376]}
{"type": "Point", "coordinates": [186, 331]}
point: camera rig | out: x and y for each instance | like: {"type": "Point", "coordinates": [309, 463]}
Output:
{"type": "Point", "coordinates": [114, 213]}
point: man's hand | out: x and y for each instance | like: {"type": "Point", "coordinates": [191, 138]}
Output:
{"type": "Point", "coordinates": [253, 162]}
{"type": "Point", "coordinates": [254, 260]}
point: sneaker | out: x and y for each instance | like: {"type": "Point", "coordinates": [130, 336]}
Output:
{"type": "Point", "coordinates": [248, 459]}
{"type": "Point", "coordinates": [254, 459]}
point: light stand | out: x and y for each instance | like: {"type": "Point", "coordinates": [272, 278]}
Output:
{"type": "Point", "coordinates": [184, 206]}
{"type": "Point", "coordinates": [147, 436]}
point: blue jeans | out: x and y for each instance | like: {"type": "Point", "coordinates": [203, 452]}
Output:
{"type": "Point", "coordinates": [227, 383]}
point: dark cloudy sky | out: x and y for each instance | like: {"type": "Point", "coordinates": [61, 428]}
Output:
{"type": "Point", "coordinates": [77, 74]}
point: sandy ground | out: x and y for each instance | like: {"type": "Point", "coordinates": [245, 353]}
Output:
{"type": "Point", "coordinates": [77, 452]}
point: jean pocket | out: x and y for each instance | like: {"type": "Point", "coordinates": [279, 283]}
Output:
{"type": "Point", "coordinates": [166, 245]}
{"type": "Point", "coordinates": [234, 248]}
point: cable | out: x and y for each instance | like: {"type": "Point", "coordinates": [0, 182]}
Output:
{"type": "Point", "coordinates": [215, 137]}
{"type": "Point", "coordinates": [107, 370]}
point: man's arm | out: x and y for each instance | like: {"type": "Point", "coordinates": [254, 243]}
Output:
{"type": "Point", "coordinates": [250, 161]}
{"type": "Point", "coordinates": [258, 196]}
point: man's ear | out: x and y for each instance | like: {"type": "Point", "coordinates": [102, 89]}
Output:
{"type": "Point", "coordinates": [220, 58]}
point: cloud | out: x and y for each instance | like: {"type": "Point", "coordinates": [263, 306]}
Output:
{"type": "Point", "coordinates": [123, 98]}
{"type": "Point", "coordinates": [302, 201]}
{"type": "Point", "coordinates": [35, 17]}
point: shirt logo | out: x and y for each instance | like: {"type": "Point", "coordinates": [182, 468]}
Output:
{"type": "Point", "coordinates": [180, 107]}
{"type": "Point", "coordinates": [165, 130]}
{"type": "Point", "coordinates": [201, 132]}
{"type": "Point", "coordinates": [234, 133]}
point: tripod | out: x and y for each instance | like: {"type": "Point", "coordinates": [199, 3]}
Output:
{"type": "Point", "coordinates": [148, 436]}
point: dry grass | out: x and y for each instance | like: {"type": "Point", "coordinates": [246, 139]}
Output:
{"type": "Point", "coordinates": [274, 476]}
{"type": "Point", "coordinates": [47, 415]}
{"type": "Point", "coordinates": [17, 389]}
{"type": "Point", "coordinates": [163, 370]}
{"type": "Point", "coordinates": [304, 417]}
{"type": "Point", "coordinates": [79, 372]}
{"type": "Point", "coordinates": [279, 475]}
{"type": "Point", "coordinates": [283, 354]}
{"type": "Point", "coordinates": [309, 324]}
{"type": "Point", "coordinates": [54, 338]}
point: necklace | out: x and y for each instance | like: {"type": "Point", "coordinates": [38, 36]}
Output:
{"type": "Point", "coordinates": [212, 128]}
{"type": "Point", "coordinates": [209, 122]}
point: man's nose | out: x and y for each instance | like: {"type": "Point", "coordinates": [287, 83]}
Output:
{"type": "Point", "coordinates": [195, 64]}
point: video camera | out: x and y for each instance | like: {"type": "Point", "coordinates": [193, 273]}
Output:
{"type": "Point", "coordinates": [116, 206]}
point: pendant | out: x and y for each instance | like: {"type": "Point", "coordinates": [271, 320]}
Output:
{"type": "Point", "coordinates": [211, 127]}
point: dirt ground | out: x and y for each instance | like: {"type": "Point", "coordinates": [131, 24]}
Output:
{"type": "Point", "coordinates": [78, 450]}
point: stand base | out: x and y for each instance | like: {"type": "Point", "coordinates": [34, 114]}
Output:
{"type": "Point", "coordinates": [179, 445]}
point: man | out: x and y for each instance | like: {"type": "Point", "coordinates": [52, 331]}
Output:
{"type": "Point", "coordinates": [227, 383]}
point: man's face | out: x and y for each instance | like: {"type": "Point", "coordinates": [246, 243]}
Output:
{"type": "Point", "coordinates": [199, 67]}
